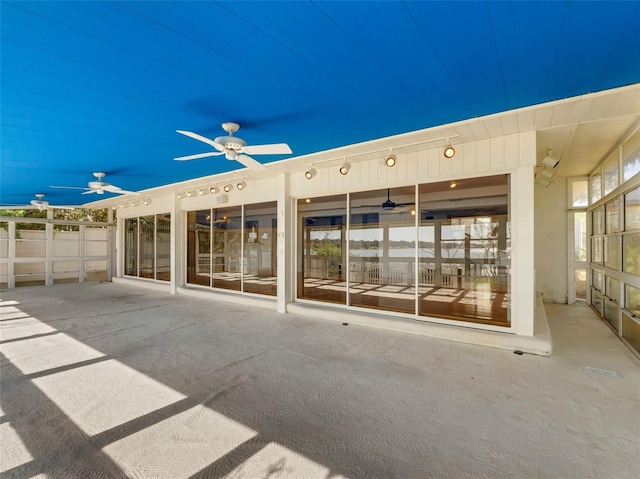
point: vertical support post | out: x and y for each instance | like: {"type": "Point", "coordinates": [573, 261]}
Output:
{"type": "Point", "coordinates": [11, 267]}
{"type": "Point", "coordinates": [286, 249]}
{"type": "Point", "coordinates": [118, 255]}
{"type": "Point", "coordinates": [82, 237]}
{"type": "Point", "coordinates": [522, 261]}
{"type": "Point", "coordinates": [177, 245]}
{"type": "Point", "coordinates": [48, 265]}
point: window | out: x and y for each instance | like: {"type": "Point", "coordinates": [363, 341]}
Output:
{"type": "Point", "coordinates": [632, 210]}
{"type": "Point", "coordinates": [233, 248]}
{"type": "Point", "coordinates": [322, 249]}
{"type": "Point", "coordinates": [610, 178]}
{"type": "Point", "coordinates": [631, 156]}
{"type": "Point", "coordinates": [579, 193]}
{"type": "Point", "coordinates": [147, 247]}
{"type": "Point", "coordinates": [596, 187]}
{"type": "Point", "coordinates": [447, 251]}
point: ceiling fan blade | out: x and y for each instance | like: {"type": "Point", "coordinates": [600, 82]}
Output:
{"type": "Point", "coordinates": [250, 163]}
{"type": "Point", "coordinates": [273, 149]}
{"type": "Point", "coordinates": [203, 139]}
{"type": "Point", "coordinates": [70, 187]}
{"type": "Point", "coordinates": [199, 155]}
{"type": "Point", "coordinates": [120, 191]}
{"type": "Point", "coordinates": [89, 192]}
{"type": "Point", "coordinates": [61, 207]}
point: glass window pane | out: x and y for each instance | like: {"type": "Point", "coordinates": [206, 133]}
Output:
{"type": "Point", "coordinates": [382, 250]}
{"type": "Point", "coordinates": [199, 247]}
{"type": "Point", "coordinates": [227, 248]}
{"type": "Point", "coordinates": [631, 253]}
{"type": "Point", "coordinates": [597, 220]}
{"type": "Point", "coordinates": [321, 249]}
{"type": "Point", "coordinates": [632, 210]}
{"type": "Point", "coordinates": [612, 215]}
{"type": "Point", "coordinates": [580, 193]}
{"type": "Point", "coordinates": [580, 236]}
{"type": "Point", "coordinates": [597, 280]}
{"type": "Point", "coordinates": [612, 288]}
{"type": "Point", "coordinates": [611, 179]}
{"type": "Point", "coordinates": [465, 250]}
{"type": "Point", "coordinates": [631, 331]}
{"type": "Point", "coordinates": [596, 250]}
{"type": "Point", "coordinates": [631, 156]}
{"type": "Point", "coordinates": [611, 313]}
{"type": "Point", "coordinates": [632, 299]}
{"type": "Point", "coordinates": [131, 247]}
{"type": "Point", "coordinates": [611, 251]}
{"type": "Point", "coordinates": [146, 261]}
{"type": "Point", "coordinates": [580, 281]}
{"type": "Point", "coordinates": [163, 247]}
{"type": "Point", "coordinates": [596, 301]}
{"type": "Point", "coordinates": [596, 187]}
{"type": "Point", "coordinates": [260, 260]}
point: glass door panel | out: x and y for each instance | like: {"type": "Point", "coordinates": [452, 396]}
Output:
{"type": "Point", "coordinates": [321, 249]}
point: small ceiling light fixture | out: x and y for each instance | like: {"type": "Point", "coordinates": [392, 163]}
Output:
{"type": "Point", "coordinates": [136, 203]}
{"type": "Point", "coordinates": [214, 189]}
{"type": "Point", "coordinates": [453, 184]}
{"type": "Point", "coordinates": [549, 161]}
{"type": "Point", "coordinates": [449, 151]}
{"type": "Point", "coordinates": [391, 161]}
{"type": "Point", "coordinates": [310, 173]}
{"type": "Point", "coordinates": [203, 191]}
{"type": "Point", "coordinates": [241, 185]}
{"type": "Point", "coordinates": [227, 188]}
{"type": "Point", "coordinates": [344, 169]}
{"type": "Point", "coordinates": [547, 174]}
{"type": "Point", "coordinates": [182, 195]}
{"type": "Point", "coordinates": [147, 202]}
{"type": "Point", "coordinates": [192, 193]}
{"type": "Point", "coordinates": [308, 200]}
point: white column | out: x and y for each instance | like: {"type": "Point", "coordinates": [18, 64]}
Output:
{"type": "Point", "coordinates": [119, 250]}
{"type": "Point", "coordinates": [48, 265]}
{"type": "Point", "coordinates": [11, 266]}
{"type": "Point", "coordinates": [178, 256]}
{"type": "Point", "coordinates": [522, 246]}
{"type": "Point", "coordinates": [285, 244]}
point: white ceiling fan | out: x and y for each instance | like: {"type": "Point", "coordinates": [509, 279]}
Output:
{"type": "Point", "coordinates": [99, 187]}
{"type": "Point", "coordinates": [234, 148]}
{"type": "Point", "coordinates": [38, 204]}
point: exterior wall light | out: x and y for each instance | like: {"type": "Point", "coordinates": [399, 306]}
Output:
{"type": "Point", "coordinates": [203, 191]}
{"type": "Point", "coordinates": [192, 193]}
{"type": "Point", "coordinates": [310, 173]}
{"type": "Point", "coordinates": [241, 186]}
{"type": "Point", "coordinates": [344, 169]}
{"type": "Point", "coordinates": [182, 195]}
{"type": "Point", "coordinates": [214, 189]}
{"type": "Point", "coordinates": [391, 161]}
{"type": "Point", "coordinates": [227, 188]}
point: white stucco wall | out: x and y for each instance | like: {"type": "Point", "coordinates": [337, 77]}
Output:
{"type": "Point", "coordinates": [550, 252]}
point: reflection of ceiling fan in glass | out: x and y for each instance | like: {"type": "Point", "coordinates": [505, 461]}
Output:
{"type": "Point", "coordinates": [391, 206]}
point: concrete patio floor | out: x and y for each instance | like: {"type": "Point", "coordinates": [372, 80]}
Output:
{"type": "Point", "coordinates": [109, 381]}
